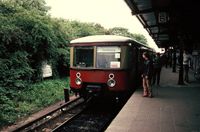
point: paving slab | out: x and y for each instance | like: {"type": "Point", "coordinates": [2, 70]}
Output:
{"type": "Point", "coordinates": [174, 108]}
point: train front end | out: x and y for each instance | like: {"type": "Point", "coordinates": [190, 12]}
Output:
{"type": "Point", "coordinates": [98, 67]}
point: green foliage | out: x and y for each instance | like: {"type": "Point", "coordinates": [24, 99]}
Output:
{"type": "Point", "coordinates": [37, 5]}
{"type": "Point", "coordinates": [15, 70]}
{"type": "Point", "coordinates": [140, 38]}
{"type": "Point", "coordinates": [30, 100]}
{"type": "Point", "coordinates": [124, 32]}
{"type": "Point", "coordinates": [27, 38]}
{"type": "Point", "coordinates": [76, 29]}
{"type": "Point", "coordinates": [5, 108]}
{"type": "Point", "coordinates": [120, 31]}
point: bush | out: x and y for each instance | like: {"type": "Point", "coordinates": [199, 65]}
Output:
{"type": "Point", "coordinates": [27, 39]}
{"type": "Point", "coordinates": [30, 100]}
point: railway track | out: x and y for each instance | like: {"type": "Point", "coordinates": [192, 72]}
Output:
{"type": "Point", "coordinates": [76, 115]}
{"type": "Point", "coordinates": [94, 118]}
{"type": "Point", "coordinates": [54, 118]}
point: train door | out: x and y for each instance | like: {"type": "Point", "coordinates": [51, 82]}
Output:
{"type": "Point", "coordinates": [136, 63]}
{"type": "Point", "coordinates": [133, 67]}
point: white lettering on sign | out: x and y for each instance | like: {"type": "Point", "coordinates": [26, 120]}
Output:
{"type": "Point", "coordinates": [114, 64]}
{"type": "Point", "coordinates": [109, 49]}
{"type": "Point", "coordinates": [162, 17]}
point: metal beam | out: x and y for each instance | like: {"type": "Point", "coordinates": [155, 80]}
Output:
{"type": "Point", "coordinates": [139, 12]}
{"type": "Point", "coordinates": [151, 26]}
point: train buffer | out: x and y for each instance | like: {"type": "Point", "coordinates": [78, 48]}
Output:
{"type": "Point", "coordinates": [176, 108]}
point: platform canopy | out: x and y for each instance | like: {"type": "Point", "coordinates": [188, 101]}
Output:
{"type": "Point", "coordinates": [169, 22]}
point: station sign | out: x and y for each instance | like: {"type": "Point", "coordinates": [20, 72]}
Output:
{"type": "Point", "coordinates": [46, 70]}
{"type": "Point", "coordinates": [162, 17]}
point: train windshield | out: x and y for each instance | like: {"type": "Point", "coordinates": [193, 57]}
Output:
{"type": "Point", "coordinates": [108, 57]}
{"type": "Point", "coordinates": [83, 57]}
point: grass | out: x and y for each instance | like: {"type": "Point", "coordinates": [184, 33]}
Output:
{"type": "Point", "coordinates": [34, 98]}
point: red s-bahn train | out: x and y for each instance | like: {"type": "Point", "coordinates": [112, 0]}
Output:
{"type": "Point", "coordinates": [105, 64]}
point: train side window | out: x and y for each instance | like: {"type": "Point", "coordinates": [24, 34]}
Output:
{"type": "Point", "coordinates": [108, 57]}
{"type": "Point", "coordinates": [83, 56]}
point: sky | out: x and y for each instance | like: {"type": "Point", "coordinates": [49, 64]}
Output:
{"type": "Point", "coordinates": [108, 13]}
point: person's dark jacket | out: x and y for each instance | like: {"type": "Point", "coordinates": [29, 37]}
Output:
{"type": "Point", "coordinates": [148, 68]}
{"type": "Point", "coordinates": [157, 63]}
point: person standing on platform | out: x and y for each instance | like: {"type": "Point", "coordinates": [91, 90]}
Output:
{"type": "Point", "coordinates": [147, 75]}
{"type": "Point", "coordinates": [165, 59]}
{"type": "Point", "coordinates": [186, 63]}
{"type": "Point", "coordinates": [157, 65]}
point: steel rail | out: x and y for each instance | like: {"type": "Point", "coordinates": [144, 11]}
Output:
{"type": "Point", "coordinates": [72, 117]}
{"type": "Point", "coordinates": [28, 124]}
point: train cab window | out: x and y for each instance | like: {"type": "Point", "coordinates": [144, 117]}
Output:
{"type": "Point", "coordinates": [83, 57]}
{"type": "Point", "coordinates": [108, 57]}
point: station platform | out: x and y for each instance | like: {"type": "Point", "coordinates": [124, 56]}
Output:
{"type": "Point", "coordinates": [174, 108]}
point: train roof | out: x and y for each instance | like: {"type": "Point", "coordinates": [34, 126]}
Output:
{"type": "Point", "coordinates": [105, 38]}
{"type": "Point", "coordinates": [102, 38]}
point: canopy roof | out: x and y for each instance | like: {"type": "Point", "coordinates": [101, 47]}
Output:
{"type": "Point", "coordinates": [168, 21]}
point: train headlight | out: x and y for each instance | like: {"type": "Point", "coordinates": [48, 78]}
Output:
{"type": "Point", "coordinates": [111, 82]}
{"type": "Point", "coordinates": [78, 81]}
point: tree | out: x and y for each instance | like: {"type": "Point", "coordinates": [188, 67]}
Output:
{"type": "Point", "coordinates": [120, 31]}
{"type": "Point", "coordinates": [78, 29]}
{"type": "Point", "coordinates": [140, 38]}
{"type": "Point", "coordinates": [37, 5]}
{"type": "Point", "coordinates": [124, 32]}
{"type": "Point", "coordinates": [27, 38]}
